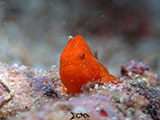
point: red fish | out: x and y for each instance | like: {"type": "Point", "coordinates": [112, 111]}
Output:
{"type": "Point", "coordinates": [78, 66]}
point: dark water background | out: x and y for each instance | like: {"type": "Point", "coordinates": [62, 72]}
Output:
{"type": "Point", "coordinates": [34, 32]}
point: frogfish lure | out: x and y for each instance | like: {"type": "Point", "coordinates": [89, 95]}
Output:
{"type": "Point", "coordinates": [78, 66]}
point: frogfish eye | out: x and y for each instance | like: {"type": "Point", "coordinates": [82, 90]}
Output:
{"type": "Point", "coordinates": [82, 55]}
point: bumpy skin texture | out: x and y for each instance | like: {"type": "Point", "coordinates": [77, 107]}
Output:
{"type": "Point", "coordinates": [78, 66]}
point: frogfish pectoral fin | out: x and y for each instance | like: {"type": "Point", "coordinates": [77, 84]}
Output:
{"type": "Point", "coordinates": [108, 78]}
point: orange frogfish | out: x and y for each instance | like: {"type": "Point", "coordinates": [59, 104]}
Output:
{"type": "Point", "coordinates": [78, 66]}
